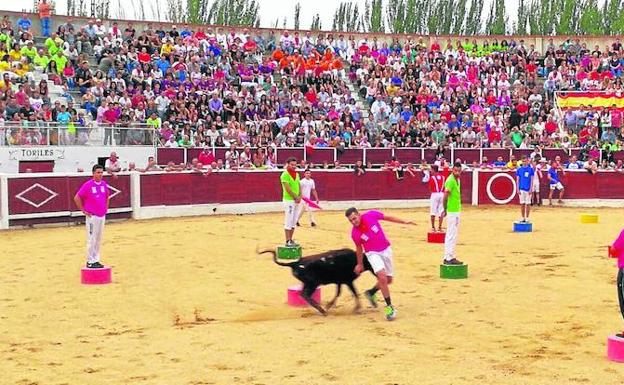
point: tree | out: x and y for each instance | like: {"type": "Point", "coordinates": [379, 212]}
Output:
{"type": "Point", "coordinates": [347, 17]}
{"type": "Point", "coordinates": [395, 14]}
{"type": "Point", "coordinates": [297, 13]}
{"type": "Point", "coordinates": [372, 19]}
{"type": "Point", "coordinates": [523, 17]}
{"type": "Point", "coordinates": [316, 23]}
{"type": "Point", "coordinates": [590, 22]}
{"type": "Point", "coordinates": [497, 19]}
{"type": "Point", "coordinates": [473, 20]}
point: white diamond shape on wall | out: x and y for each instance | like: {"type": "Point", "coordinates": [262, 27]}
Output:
{"type": "Point", "coordinates": [115, 193]}
{"type": "Point", "coordinates": [21, 196]}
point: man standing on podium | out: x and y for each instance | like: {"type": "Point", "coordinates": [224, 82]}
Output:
{"type": "Point", "coordinates": [92, 199]}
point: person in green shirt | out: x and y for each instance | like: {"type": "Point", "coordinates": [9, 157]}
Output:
{"type": "Point", "coordinates": [452, 206]}
{"type": "Point", "coordinates": [517, 137]}
{"type": "Point", "coordinates": [291, 196]}
{"type": "Point", "coordinates": [41, 60]}
{"type": "Point", "coordinates": [29, 51]}
{"type": "Point", "coordinates": [61, 61]}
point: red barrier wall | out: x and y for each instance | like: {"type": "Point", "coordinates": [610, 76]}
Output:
{"type": "Point", "coordinates": [51, 194]}
{"type": "Point", "coordinates": [264, 186]}
{"type": "Point", "coordinates": [498, 187]}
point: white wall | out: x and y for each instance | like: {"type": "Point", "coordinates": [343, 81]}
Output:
{"type": "Point", "coordinates": [70, 158]}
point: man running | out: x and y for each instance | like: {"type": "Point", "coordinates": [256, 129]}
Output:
{"type": "Point", "coordinates": [524, 181]}
{"type": "Point", "coordinates": [554, 181]}
{"type": "Point", "coordinates": [436, 186]}
{"type": "Point", "coordinates": [291, 196]}
{"type": "Point", "coordinates": [92, 199]}
{"type": "Point", "coordinates": [452, 206]}
{"type": "Point", "coordinates": [369, 239]}
{"type": "Point", "coordinates": [308, 189]}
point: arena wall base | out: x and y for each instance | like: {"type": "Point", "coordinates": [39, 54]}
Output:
{"type": "Point", "coordinates": [4, 202]}
{"type": "Point", "coordinates": [152, 212]}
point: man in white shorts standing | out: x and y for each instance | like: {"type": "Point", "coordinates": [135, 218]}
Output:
{"type": "Point", "coordinates": [436, 186]}
{"type": "Point", "coordinates": [554, 182]}
{"type": "Point", "coordinates": [308, 189]}
{"type": "Point", "coordinates": [291, 196]}
{"type": "Point", "coordinates": [92, 199]}
{"type": "Point", "coordinates": [524, 181]}
{"type": "Point", "coordinates": [369, 238]}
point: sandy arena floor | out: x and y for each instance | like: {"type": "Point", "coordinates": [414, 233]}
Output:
{"type": "Point", "coordinates": [193, 304]}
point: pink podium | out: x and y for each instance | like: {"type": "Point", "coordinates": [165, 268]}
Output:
{"type": "Point", "coordinates": [615, 348]}
{"type": "Point", "coordinates": [96, 276]}
{"type": "Point", "coordinates": [435, 237]}
{"type": "Point", "coordinates": [295, 298]}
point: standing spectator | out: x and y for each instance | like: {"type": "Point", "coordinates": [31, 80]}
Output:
{"type": "Point", "coordinates": [524, 180]}
{"type": "Point", "coordinates": [93, 199]}
{"type": "Point", "coordinates": [308, 189]}
{"type": "Point", "coordinates": [436, 183]}
{"type": "Point", "coordinates": [291, 196]}
{"type": "Point", "coordinates": [452, 206]}
{"type": "Point", "coordinates": [45, 11]}
{"type": "Point", "coordinates": [554, 181]}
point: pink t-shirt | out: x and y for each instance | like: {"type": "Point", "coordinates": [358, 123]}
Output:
{"type": "Point", "coordinates": [618, 245]}
{"type": "Point", "coordinates": [94, 197]}
{"type": "Point", "coordinates": [370, 234]}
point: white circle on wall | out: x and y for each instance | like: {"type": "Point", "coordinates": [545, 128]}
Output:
{"type": "Point", "coordinates": [488, 188]}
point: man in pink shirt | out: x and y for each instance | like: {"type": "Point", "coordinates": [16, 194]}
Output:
{"type": "Point", "coordinates": [92, 199]}
{"type": "Point", "coordinates": [617, 251]}
{"type": "Point", "coordinates": [369, 238]}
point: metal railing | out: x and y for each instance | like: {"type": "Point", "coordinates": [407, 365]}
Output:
{"type": "Point", "coordinates": [56, 134]}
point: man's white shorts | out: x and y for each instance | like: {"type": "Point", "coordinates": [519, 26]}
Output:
{"type": "Point", "coordinates": [290, 215]}
{"type": "Point", "coordinates": [437, 204]}
{"type": "Point", "coordinates": [557, 186]}
{"type": "Point", "coordinates": [525, 197]}
{"type": "Point", "coordinates": [381, 260]}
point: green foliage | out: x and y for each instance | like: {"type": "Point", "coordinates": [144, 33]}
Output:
{"type": "Point", "coordinates": [316, 23]}
{"type": "Point", "coordinates": [346, 17]}
{"type": "Point", "coordinates": [297, 14]}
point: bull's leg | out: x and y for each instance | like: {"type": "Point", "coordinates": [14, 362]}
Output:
{"type": "Point", "coordinates": [331, 303]}
{"type": "Point", "coordinates": [358, 305]}
{"type": "Point", "coordinates": [306, 293]}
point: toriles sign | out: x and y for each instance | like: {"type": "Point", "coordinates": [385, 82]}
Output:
{"type": "Point", "coordinates": [37, 154]}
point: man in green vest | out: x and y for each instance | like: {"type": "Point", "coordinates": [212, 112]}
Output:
{"type": "Point", "coordinates": [29, 51]}
{"type": "Point", "coordinates": [452, 206]}
{"type": "Point", "coordinates": [291, 196]}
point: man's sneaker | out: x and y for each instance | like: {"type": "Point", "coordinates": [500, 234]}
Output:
{"type": "Point", "coordinates": [94, 265]}
{"type": "Point", "coordinates": [313, 224]}
{"type": "Point", "coordinates": [371, 298]}
{"type": "Point", "coordinates": [390, 313]}
{"type": "Point", "coordinates": [453, 261]}
{"type": "Point", "coordinates": [291, 243]}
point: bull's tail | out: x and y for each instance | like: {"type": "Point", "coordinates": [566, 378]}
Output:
{"type": "Point", "coordinates": [288, 264]}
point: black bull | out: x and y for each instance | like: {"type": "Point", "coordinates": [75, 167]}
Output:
{"type": "Point", "coordinates": [334, 266]}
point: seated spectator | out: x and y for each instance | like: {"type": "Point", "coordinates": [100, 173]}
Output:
{"type": "Point", "coordinates": [591, 166]}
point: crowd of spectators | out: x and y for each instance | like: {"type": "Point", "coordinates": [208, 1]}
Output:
{"type": "Point", "coordinates": [236, 88]}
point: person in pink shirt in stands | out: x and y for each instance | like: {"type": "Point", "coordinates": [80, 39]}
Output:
{"type": "Point", "coordinates": [617, 251]}
{"type": "Point", "coordinates": [92, 199]}
{"type": "Point", "coordinates": [369, 238]}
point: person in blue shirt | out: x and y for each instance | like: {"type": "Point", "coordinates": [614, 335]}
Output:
{"type": "Point", "coordinates": [499, 162]}
{"type": "Point", "coordinates": [524, 182]}
{"type": "Point", "coordinates": [554, 181]}
{"type": "Point", "coordinates": [24, 24]}
{"type": "Point", "coordinates": [406, 114]}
